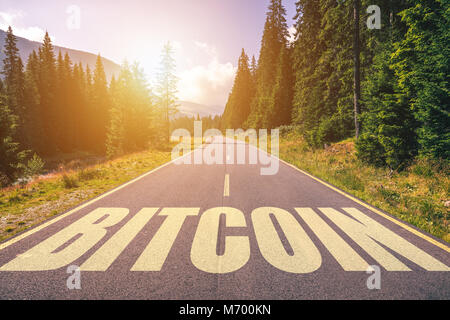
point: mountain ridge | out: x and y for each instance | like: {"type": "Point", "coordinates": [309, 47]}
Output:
{"type": "Point", "coordinates": [192, 109]}
{"type": "Point", "coordinates": [26, 47]}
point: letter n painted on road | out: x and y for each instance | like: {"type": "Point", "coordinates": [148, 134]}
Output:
{"type": "Point", "coordinates": [344, 254]}
{"type": "Point", "coordinates": [372, 236]}
{"type": "Point", "coordinates": [86, 232]}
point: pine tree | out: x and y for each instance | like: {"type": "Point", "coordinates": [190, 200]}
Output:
{"type": "Point", "coordinates": [254, 68]}
{"type": "Point", "coordinates": [131, 125]}
{"type": "Point", "coordinates": [307, 51]}
{"type": "Point", "coordinates": [324, 64]}
{"type": "Point", "coordinates": [167, 87]}
{"type": "Point", "coordinates": [47, 90]}
{"type": "Point", "coordinates": [62, 114]}
{"type": "Point", "coordinates": [10, 157]}
{"type": "Point", "coordinates": [21, 109]}
{"type": "Point", "coordinates": [282, 95]}
{"type": "Point", "coordinates": [274, 38]}
{"type": "Point", "coordinates": [32, 118]}
{"type": "Point", "coordinates": [238, 106]}
{"type": "Point", "coordinates": [142, 126]}
{"type": "Point", "coordinates": [101, 104]}
{"type": "Point", "coordinates": [116, 135]}
{"type": "Point", "coordinates": [423, 68]}
{"type": "Point", "coordinates": [116, 128]}
{"type": "Point", "coordinates": [11, 70]}
{"type": "Point", "coordinates": [388, 137]}
{"type": "Point", "coordinates": [15, 83]}
{"type": "Point", "coordinates": [388, 126]}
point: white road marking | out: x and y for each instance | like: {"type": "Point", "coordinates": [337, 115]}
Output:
{"type": "Point", "coordinates": [226, 191]}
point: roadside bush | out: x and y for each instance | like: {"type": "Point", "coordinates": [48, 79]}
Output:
{"type": "Point", "coordinates": [69, 182]}
{"type": "Point", "coordinates": [349, 179]}
{"type": "Point", "coordinates": [370, 151]}
{"type": "Point", "coordinates": [89, 174]}
{"type": "Point", "coordinates": [4, 180]}
{"type": "Point", "coordinates": [34, 166]}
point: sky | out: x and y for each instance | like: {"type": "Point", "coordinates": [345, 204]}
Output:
{"type": "Point", "coordinates": [208, 35]}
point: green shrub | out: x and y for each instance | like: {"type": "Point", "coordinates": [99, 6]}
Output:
{"type": "Point", "coordinates": [391, 197]}
{"type": "Point", "coordinates": [34, 166]}
{"type": "Point", "coordinates": [70, 182]}
{"type": "Point", "coordinates": [423, 170]}
{"type": "Point", "coordinates": [349, 179]}
{"type": "Point", "coordinates": [89, 174]}
{"type": "Point", "coordinates": [370, 151]}
{"type": "Point", "coordinates": [4, 180]}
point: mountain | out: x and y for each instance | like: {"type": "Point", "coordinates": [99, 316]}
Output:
{"type": "Point", "coordinates": [26, 47]}
{"type": "Point", "coordinates": [192, 109]}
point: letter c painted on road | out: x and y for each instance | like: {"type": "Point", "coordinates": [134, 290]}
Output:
{"type": "Point", "coordinates": [204, 248]}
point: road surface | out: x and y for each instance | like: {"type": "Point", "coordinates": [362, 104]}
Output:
{"type": "Point", "coordinates": [224, 232]}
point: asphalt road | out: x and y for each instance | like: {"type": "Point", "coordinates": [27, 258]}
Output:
{"type": "Point", "coordinates": [225, 232]}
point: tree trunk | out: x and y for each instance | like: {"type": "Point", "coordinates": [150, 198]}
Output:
{"type": "Point", "coordinates": [357, 85]}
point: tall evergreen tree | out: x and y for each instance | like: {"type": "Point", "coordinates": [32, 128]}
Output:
{"type": "Point", "coordinates": [116, 128]}
{"type": "Point", "coordinates": [47, 89]}
{"type": "Point", "coordinates": [10, 156]}
{"type": "Point", "coordinates": [239, 103]}
{"type": "Point", "coordinates": [280, 111]}
{"type": "Point", "coordinates": [11, 70]}
{"type": "Point", "coordinates": [132, 113]}
{"type": "Point", "coordinates": [254, 68]}
{"type": "Point", "coordinates": [307, 51]}
{"type": "Point", "coordinates": [32, 117]}
{"type": "Point", "coordinates": [101, 104]}
{"type": "Point", "coordinates": [422, 64]}
{"type": "Point", "coordinates": [324, 64]}
{"type": "Point", "coordinates": [167, 87]}
{"type": "Point", "coordinates": [388, 126]}
{"type": "Point", "coordinates": [62, 110]}
{"type": "Point", "coordinates": [14, 83]}
{"type": "Point", "coordinates": [274, 38]}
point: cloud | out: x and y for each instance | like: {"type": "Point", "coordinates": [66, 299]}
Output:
{"type": "Point", "coordinates": [292, 34]}
{"type": "Point", "coordinates": [13, 19]}
{"type": "Point", "coordinates": [208, 84]}
{"type": "Point", "coordinates": [211, 51]}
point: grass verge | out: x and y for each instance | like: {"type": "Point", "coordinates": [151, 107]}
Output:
{"type": "Point", "coordinates": [417, 195]}
{"type": "Point", "coordinates": [22, 207]}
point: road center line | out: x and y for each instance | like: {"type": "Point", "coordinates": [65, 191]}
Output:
{"type": "Point", "coordinates": [226, 191]}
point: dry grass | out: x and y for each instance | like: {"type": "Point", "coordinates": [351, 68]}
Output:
{"type": "Point", "coordinates": [417, 195]}
{"type": "Point", "coordinates": [22, 207]}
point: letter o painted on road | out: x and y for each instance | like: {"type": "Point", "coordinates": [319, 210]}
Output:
{"type": "Point", "coordinates": [306, 257]}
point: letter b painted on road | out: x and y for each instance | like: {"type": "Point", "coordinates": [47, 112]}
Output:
{"type": "Point", "coordinates": [85, 233]}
